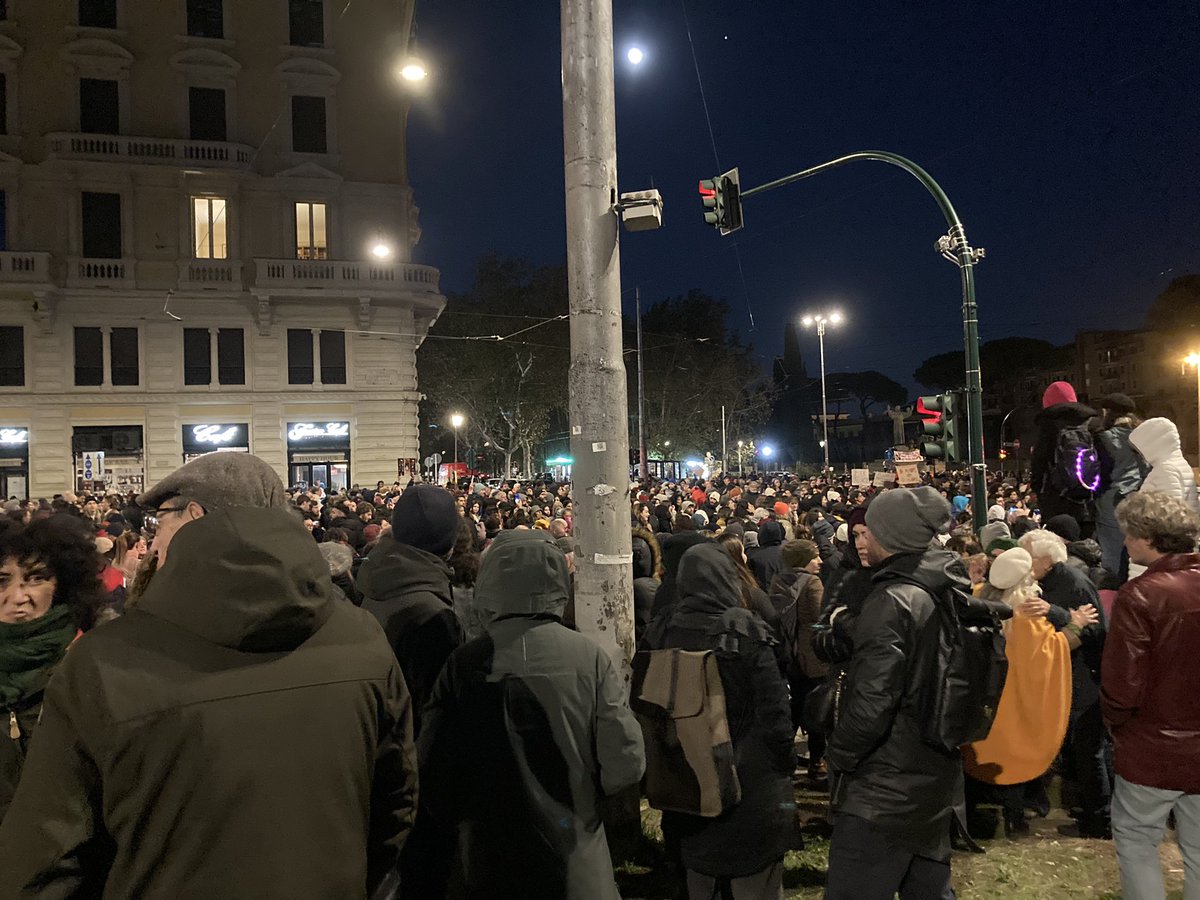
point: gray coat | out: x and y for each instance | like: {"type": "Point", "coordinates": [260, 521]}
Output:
{"type": "Point", "coordinates": [528, 727]}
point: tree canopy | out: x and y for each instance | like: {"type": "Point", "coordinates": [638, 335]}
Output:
{"type": "Point", "coordinates": [1178, 306]}
{"type": "Point", "coordinates": [1014, 355]}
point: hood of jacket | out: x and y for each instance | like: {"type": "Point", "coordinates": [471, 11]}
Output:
{"type": "Point", "coordinates": [247, 578]}
{"type": "Point", "coordinates": [934, 570]}
{"type": "Point", "coordinates": [708, 580]}
{"type": "Point", "coordinates": [647, 557]}
{"type": "Point", "coordinates": [523, 573]}
{"type": "Point", "coordinates": [395, 570]}
{"type": "Point", "coordinates": [1064, 415]}
{"type": "Point", "coordinates": [1156, 439]}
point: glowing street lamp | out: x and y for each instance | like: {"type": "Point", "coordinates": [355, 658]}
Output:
{"type": "Point", "coordinates": [381, 250]}
{"type": "Point", "coordinates": [413, 69]}
{"type": "Point", "coordinates": [456, 421]}
{"type": "Point", "coordinates": [821, 320]}
{"type": "Point", "coordinates": [1193, 359]}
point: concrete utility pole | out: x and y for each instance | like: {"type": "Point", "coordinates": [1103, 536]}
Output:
{"type": "Point", "coordinates": [598, 394]}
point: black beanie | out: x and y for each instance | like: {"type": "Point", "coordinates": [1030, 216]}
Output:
{"type": "Point", "coordinates": [425, 517]}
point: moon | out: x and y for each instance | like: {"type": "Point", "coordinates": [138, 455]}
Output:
{"type": "Point", "coordinates": [635, 55]}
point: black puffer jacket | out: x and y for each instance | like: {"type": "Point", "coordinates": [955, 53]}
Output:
{"type": "Point", "coordinates": [883, 771]}
{"type": "Point", "coordinates": [1088, 558]}
{"type": "Point", "coordinates": [1066, 588]}
{"type": "Point", "coordinates": [759, 830]}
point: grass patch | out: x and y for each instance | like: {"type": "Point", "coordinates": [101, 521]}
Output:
{"type": "Point", "coordinates": [1040, 865]}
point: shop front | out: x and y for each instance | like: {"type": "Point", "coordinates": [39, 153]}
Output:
{"type": "Point", "coordinates": [319, 454]}
{"type": "Point", "coordinates": [14, 462]}
{"type": "Point", "coordinates": [208, 437]}
{"type": "Point", "coordinates": [109, 458]}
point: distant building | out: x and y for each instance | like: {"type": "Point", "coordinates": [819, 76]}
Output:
{"type": "Point", "coordinates": [205, 241]}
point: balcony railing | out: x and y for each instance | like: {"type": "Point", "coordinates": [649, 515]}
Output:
{"type": "Point", "coordinates": [112, 273]}
{"type": "Point", "coordinates": [24, 267]}
{"type": "Point", "coordinates": [160, 151]}
{"type": "Point", "coordinates": [211, 274]}
{"type": "Point", "coordinates": [345, 275]}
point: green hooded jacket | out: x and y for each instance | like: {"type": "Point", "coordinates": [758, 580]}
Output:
{"type": "Point", "coordinates": [528, 727]}
{"type": "Point", "coordinates": [239, 734]}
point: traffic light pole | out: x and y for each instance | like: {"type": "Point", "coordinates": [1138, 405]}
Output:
{"type": "Point", "coordinates": [596, 384]}
{"type": "Point", "coordinates": [952, 245]}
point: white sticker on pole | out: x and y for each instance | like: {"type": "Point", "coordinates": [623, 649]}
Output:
{"type": "Point", "coordinates": [599, 446]}
{"type": "Point", "coordinates": [613, 559]}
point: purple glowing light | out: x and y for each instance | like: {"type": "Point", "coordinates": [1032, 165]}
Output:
{"type": "Point", "coordinates": [1083, 453]}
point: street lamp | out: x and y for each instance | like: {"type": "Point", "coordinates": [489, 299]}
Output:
{"type": "Point", "coordinates": [1193, 359]}
{"type": "Point", "coordinates": [456, 421]}
{"type": "Point", "coordinates": [739, 459]}
{"type": "Point", "coordinates": [821, 321]}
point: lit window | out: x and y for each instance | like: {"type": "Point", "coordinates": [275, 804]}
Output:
{"type": "Point", "coordinates": [311, 240]}
{"type": "Point", "coordinates": [210, 228]}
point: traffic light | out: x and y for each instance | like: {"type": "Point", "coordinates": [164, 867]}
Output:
{"type": "Point", "coordinates": [722, 199]}
{"type": "Point", "coordinates": [939, 415]}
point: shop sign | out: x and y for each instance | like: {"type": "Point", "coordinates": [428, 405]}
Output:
{"type": "Point", "coordinates": [218, 435]}
{"type": "Point", "coordinates": [14, 436]}
{"type": "Point", "coordinates": [307, 431]}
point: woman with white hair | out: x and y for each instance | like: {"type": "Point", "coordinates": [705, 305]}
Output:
{"type": "Point", "coordinates": [1065, 588]}
{"type": "Point", "coordinates": [1031, 718]}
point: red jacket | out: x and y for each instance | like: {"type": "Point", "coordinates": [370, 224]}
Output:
{"type": "Point", "coordinates": [1150, 676]}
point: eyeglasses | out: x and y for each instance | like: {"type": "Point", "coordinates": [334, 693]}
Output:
{"type": "Point", "coordinates": [153, 518]}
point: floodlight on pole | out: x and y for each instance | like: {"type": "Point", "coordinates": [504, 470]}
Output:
{"type": "Point", "coordinates": [456, 422]}
{"type": "Point", "coordinates": [821, 320]}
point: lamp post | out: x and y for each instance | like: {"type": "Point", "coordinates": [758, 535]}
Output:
{"type": "Point", "coordinates": [456, 421]}
{"type": "Point", "coordinates": [1193, 359]}
{"type": "Point", "coordinates": [740, 459]}
{"type": "Point", "coordinates": [821, 321]}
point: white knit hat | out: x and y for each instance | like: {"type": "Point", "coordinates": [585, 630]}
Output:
{"type": "Point", "coordinates": [1010, 568]}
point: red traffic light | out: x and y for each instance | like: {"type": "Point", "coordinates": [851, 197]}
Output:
{"type": "Point", "coordinates": [707, 191]}
{"type": "Point", "coordinates": [930, 415]}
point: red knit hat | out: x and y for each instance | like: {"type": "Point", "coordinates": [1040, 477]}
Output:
{"type": "Point", "coordinates": [1059, 392]}
{"type": "Point", "coordinates": [781, 508]}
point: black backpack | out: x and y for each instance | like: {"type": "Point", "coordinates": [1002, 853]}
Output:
{"type": "Point", "coordinates": [960, 703]}
{"type": "Point", "coordinates": [1074, 472]}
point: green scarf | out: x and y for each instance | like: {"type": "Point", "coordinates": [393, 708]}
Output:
{"type": "Point", "coordinates": [29, 650]}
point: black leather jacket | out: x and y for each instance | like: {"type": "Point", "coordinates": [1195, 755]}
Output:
{"type": "Point", "coordinates": [883, 771]}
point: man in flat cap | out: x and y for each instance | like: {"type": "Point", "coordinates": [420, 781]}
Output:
{"type": "Point", "coordinates": [893, 795]}
{"type": "Point", "coordinates": [240, 733]}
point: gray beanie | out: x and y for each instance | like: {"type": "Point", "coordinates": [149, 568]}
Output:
{"type": "Point", "coordinates": [220, 481]}
{"type": "Point", "coordinates": [906, 520]}
{"type": "Point", "coordinates": [993, 531]}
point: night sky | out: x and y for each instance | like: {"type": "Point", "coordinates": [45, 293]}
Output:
{"type": "Point", "coordinates": [1067, 135]}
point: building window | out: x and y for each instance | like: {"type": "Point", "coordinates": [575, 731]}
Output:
{"type": "Point", "coordinates": [3, 220]}
{"type": "Point", "coordinates": [3, 9]}
{"type": "Point", "coordinates": [300, 356]}
{"type": "Point", "coordinates": [89, 356]}
{"type": "Point", "coordinates": [333, 357]}
{"type": "Point", "coordinates": [210, 228]}
{"type": "Point", "coordinates": [123, 355]}
{"type": "Point", "coordinates": [98, 13]}
{"type": "Point", "coordinates": [308, 125]}
{"type": "Point", "coordinates": [197, 356]}
{"type": "Point", "coordinates": [101, 218]}
{"type": "Point", "coordinates": [231, 356]}
{"type": "Point", "coordinates": [311, 239]}
{"type": "Point", "coordinates": [3, 99]}
{"type": "Point", "coordinates": [206, 114]}
{"type": "Point", "coordinates": [12, 356]}
{"type": "Point", "coordinates": [205, 18]}
{"type": "Point", "coordinates": [306, 23]}
{"type": "Point", "coordinates": [99, 106]}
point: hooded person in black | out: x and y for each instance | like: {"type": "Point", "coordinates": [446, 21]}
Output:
{"type": "Point", "coordinates": [673, 548]}
{"type": "Point", "coordinates": [766, 561]}
{"type": "Point", "coordinates": [747, 843]}
{"type": "Point", "coordinates": [894, 796]}
{"type": "Point", "coordinates": [240, 733]}
{"type": "Point", "coordinates": [647, 561]}
{"type": "Point", "coordinates": [528, 728]}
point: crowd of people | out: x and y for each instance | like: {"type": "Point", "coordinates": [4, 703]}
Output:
{"type": "Point", "coordinates": [225, 687]}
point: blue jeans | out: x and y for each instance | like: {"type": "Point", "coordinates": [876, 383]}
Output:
{"type": "Point", "coordinates": [1139, 817]}
{"type": "Point", "coordinates": [1109, 536]}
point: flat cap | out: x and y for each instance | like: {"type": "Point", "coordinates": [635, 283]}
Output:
{"type": "Point", "coordinates": [220, 481]}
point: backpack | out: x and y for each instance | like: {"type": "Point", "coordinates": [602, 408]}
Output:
{"type": "Point", "coordinates": [785, 599]}
{"type": "Point", "coordinates": [960, 702]}
{"type": "Point", "coordinates": [679, 703]}
{"type": "Point", "coordinates": [1074, 472]}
